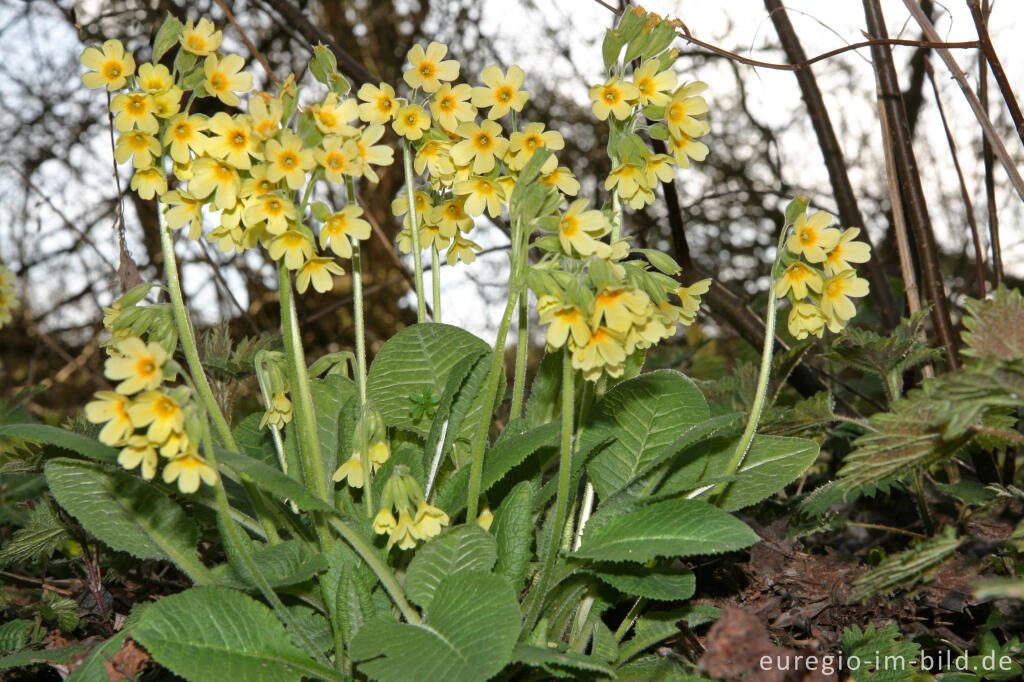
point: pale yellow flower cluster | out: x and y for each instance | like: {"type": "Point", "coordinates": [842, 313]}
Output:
{"type": "Point", "coordinates": [416, 519]}
{"type": "Point", "coordinates": [8, 298]}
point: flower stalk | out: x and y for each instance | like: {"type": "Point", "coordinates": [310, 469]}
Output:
{"type": "Point", "coordinates": [414, 228]}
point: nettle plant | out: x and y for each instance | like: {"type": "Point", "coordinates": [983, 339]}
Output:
{"type": "Point", "coordinates": [374, 521]}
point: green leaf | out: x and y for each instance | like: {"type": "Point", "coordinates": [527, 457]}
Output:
{"type": "Point", "coordinates": [255, 442]}
{"type": "Point", "coordinates": [418, 357]}
{"type": "Point", "coordinates": [513, 529]}
{"type": "Point", "coordinates": [871, 646]}
{"type": "Point", "coordinates": [329, 396]}
{"type": "Point", "coordinates": [347, 588]}
{"type": "Point", "coordinates": [655, 626]}
{"type": "Point", "coordinates": [15, 634]}
{"type": "Point", "coordinates": [54, 656]}
{"type": "Point", "coordinates": [654, 667]}
{"type": "Point", "coordinates": [285, 563]}
{"type": "Point", "coordinates": [995, 326]}
{"type": "Point", "coordinates": [669, 528]}
{"type": "Point", "coordinates": [562, 661]}
{"type": "Point", "coordinates": [769, 466]}
{"type": "Point", "coordinates": [611, 47]}
{"type": "Point", "coordinates": [166, 37]}
{"type": "Point", "coordinates": [93, 668]}
{"type": "Point", "coordinates": [126, 513]}
{"type": "Point", "coordinates": [542, 405]}
{"type": "Point", "coordinates": [903, 569]}
{"type": "Point", "coordinates": [42, 535]}
{"type": "Point", "coordinates": [643, 416]}
{"type": "Point", "coordinates": [660, 583]}
{"type": "Point", "coordinates": [212, 633]}
{"type": "Point", "coordinates": [68, 440]}
{"type": "Point", "coordinates": [272, 480]}
{"type": "Point", "coordinates": [465, 382]}
{"type": "Point", "coordinates": [462, 548]}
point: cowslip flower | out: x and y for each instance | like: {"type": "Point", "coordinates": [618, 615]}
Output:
{"type": "Point", "coordinates": [435, 158]}
{"type": "Point", "coordinates": [564, 321]}
{"type": "Point", "coordinates": [562, 179]}
{"type": "Point", "coordinates": [481, 144]}
{"type": "Point", "coordinates": [184, 134]}
{"type": "Point", "coordinates": [224, 77]}
{"type": "Point", "coordinates": [187, 470]}
{"type": "Point", "coordinates": [653, 87]}
{"type": "Point", "coordinates": [257, 184]}
{"type": "Point", "coordinates": [847, 251]}
{"type": "Point", "coordinates": [579, 229]}
{"type": "Point", "coordinates": [378, 103]}
{"type": "Point", "coordinates": [812, 238]}
{"type": "Point", "coordinates": [341, 228]}
{"type": "Point", "coordinates": [8, 302]}
{"type": "Point", "coordinates": [689, 300]}
{"type": "Point", "coordinates": [137, 365]}
{"type": "Point", "coordinates": [168, 102]}
{"type": "Point", "coordinates": [532, 138]}
{"type": "Point", "coordinates": [287, 159]}
{"type": "Point", "coordinates": [149, 182]}
{"type": "Point", "coordinates": [201, 39]}
{"type": "Point", "coordinates": [428, 69]}
{"type": "Point", "coordinates": [110, 66]}
{"type": "Point", "coordinates": [279, 412]}
{"type": "Point", "coordinates": [183, 210]}
{"type": "Point", "coordinates": [806, 319]}
{"type": "Point", "coordinates": [276, 210]}
{"type": "Point", "coordinates": [351, 471]}
{"type": "Point", "coordinates": [293, 246]}
{"type": "Point", "coordinates": [111, 410]}
{"type": "Point", "coordinates": [138, 146]}
{"type": "Point", "coordinates": [334, 117]}
{"type": "Point", "coordinates": [451, 215]}
{"type": "Point", "coordinates": [265, 113]}
{"type": "Point", "coordinates": [620, 307]}
{"type": "Point", "coordinates": [450, 106]}
{"type": "Point", "coordinates": [403, 534]}
{"type": "Point", "coordinates": [501, 91]}
{"type": "Point", "coordinates": [384, 521]}
{"type": "Point", "coordinates": [134, 111]}
{"type": "Point", "coordinates": [232, 139]}
{"type": "Point", "coordinates": [339, 158]}
{"type": "Point", "coordinates": [176, 444]}
{"type": "Point", "coordinates": [411, 121]}
{"type": "Point", "coordinates": [799, 278]}
{"type": "Point", "coordinates": [684, 147]}
{"type": "Point", "coordinates": [319, 272]}
{"type": "Point", "coordinates": [835, 298]}
{"type": "Point", "coordinates": [481, 194]}
{"type": "Point", "coordinates": [421, 202]}
{"type": "Point", "coordinates": [371, 153]}
{"type": "Point", "coordinates": [683, 112]}
{"type": "Point", "coordinates": [613, 97]}
{"type": "Point", "coordinates": [154, 78]}
{"type": "Point", "coordinates": [462, 249]}
{"type": "Point", "coordinates": [139, 450]}
{"type": "Point", "coordinates": [217, 179]}
{"type": "Point", "coordinates": [429, 520]}
{"type": "Point", "coordinates": [603, 352]}
{"type": "Point", "coordinates": [159, 412]}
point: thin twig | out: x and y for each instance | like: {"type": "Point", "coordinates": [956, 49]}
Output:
{"type": "Point", "coordinates": [989, 50]}
{"type": "Point", "coordinates": [988, 159]}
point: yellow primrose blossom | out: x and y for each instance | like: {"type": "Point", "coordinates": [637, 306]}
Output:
{"type": "Point", "coordinates": [450, 106]}
{"type": "Point", "coordinates": [400, 206]}
{"type": "Point", "coordinates": [288, 159]}
{"type": "Point", "coordinates": [138, 365]}
{"type": "Point", "coordinates": [428, 69]}
{"type": "Point", "coordinates": [293, 246]}
{"type": "Point", "coordinates": [631, 183]}
{"type": "Point", "coordinates": [613, 97]}
{"type": "Point", "coordinates": [485, 519]}
{"type": "Point", "coordinates": [134, 111]}
{"type": "Point", "coordinates": [689, 299]}
{"type": "Point", "coordinates": [435, 157]}
{"type": "Point", "coordinates": [257, 184]}
{"type": "Point", "coordinates": [403, 533]}
{"type": "Point", "coordinates": [185, 133]}
{"type": "Point", "coordinates": [812, 238]}
{"type": "Point", "coordinates": [481, 194]}
{"type": "Point", "coordinates": [110, 409]}
{"type": "Point", "coordinates": [224, 77]}
{"type": "Point", "coordinates": [603, 352]}
{"type": "Point", "coordinates": [683, 111]}
{"type": "Point", "coordinates": [182, 209]}
{"type": "Point", "coordinates": [333, 117]}
{"type": "Point", "coordinates": [806, 319]}
{"type": "Point", "coordinates": [659, 169]}
{"type": "Point", "coordinates": [798, 277]}
{"type": "Point", "coordinates": [462, 249]}
{"type": "Point", "coordinates": [563, 179]}
{"type": "Point", "coordinates": [319, 272]}
{"type": "Point", "coordinates": [452, 215]}
{"type": "Point", "coordinates": [341, 228]}
{"type": "Point", "coordinates": [501, 91]}
{"type": "Point", "coordinates": [428, 521]}
{"type": "Point", "coordinates": [279, 412]}
{"type": "Point", "coordinates": [653, 87]}
{"type": "Point", "coordinates": [411, 121]}
{"type": "Point", "coordinates": [265, 112]}
{"type": "Point", "coordinates": [200, 39]}
{"type": "Point", "coordinates": [564, 320]}
{"type": "Point", "coordinates": [233, 140]}
{"type": "Point", "coordinates": [110, 66]}
{"type": "Point", "coordinates": [619, 306]}
{"type": "Point", "coordinates": [532, 138]}
{"type": "Point", "coordinates": [187, 470]}
{"type": "Point", "coordinates": [379, 103]}
{"type": "Point", "coordinates": [168, 102]}
{"type": "Point", "coordinates": [139, 450]}
{"type": "Point", "coordinates": [276, 210]}
{"type": "Point", "coordinates": [176, 444]}
{"type": "Point", "coordinates": [138, 146]}
{"type": "Point", "coordinates": [154, 78]}
{"type": "Point", "coordinates": [684, 147]}
{"type": "Point", "coordinates": [835, 298]}
{"type": "Point", "coordinates": [217, 179]}
{"type": "Point", "coordinates": [482, 142]}
{"type": "Point", "coordinates": [149, 182]}
{"type": "Point", "coordinates": [580, 229]}
{"type": "Point", "coordinates": [384, 521]}
{"type": "Point", "coordinates": [160, 412]}
{"type": "Point", "coordinates": [372, 154]}
{"type": "Point", "coordinates": [847, 251]}
{"type": "Point", "coordinates": [339, 158]}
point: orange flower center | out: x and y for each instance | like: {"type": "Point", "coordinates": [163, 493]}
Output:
{"type": "Point", "coordinates": [834, 289]}
{"type": "Point", "coordinates": [610, 96]}
{"type": "Point", "coordinates": [112, 70]}
{"type": "Point", "coordinates": [218, 82]}
{"type": "Point", "coordinates": [806, 236]}
{"type": "Point", "coordinates": [483, 141]}
{"type": "Point", "coordinates": [288, 159]}
{"type": "Point", "coordinates": [427, 70]}
{"type": "Point", "coordinates": [504, 95]}
{"type": "Point", "coordinates": [146, 367]}
{"type": "Point", "coordinates": [223, 171]}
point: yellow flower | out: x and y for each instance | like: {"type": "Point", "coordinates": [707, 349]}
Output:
{"type": "Point", "coordinates": [620, 307]}
{"type": "Point", "coordinates": [276, 210]}
{"type": "Point", "coordinates": [138, 365]}
{"type": "Point", "coordinates": [168, 102]}
{"type": "Point", "coordinates": [138, 146]}
{"type": "Point", "coordinates": [154, 78]}
{"type": "Point", "coordinates": [278, 413]}
{"type": "Point", "coordinates": [450, 106]}
{"type": "Point", "coordinates": [846, 251]}
{"type": "Point", "coordinates": [462, 249]}
{"type": "Point", "coordinates": [134, 110]}
{"type": "Point", "coordinates": [481, 193]}
{"type": "Point", "coordinates": [379, 452]}
{"type": "Point", "coordinates": [371, 153]}
{"type": "Point", "coordinates": [430, 234]}
{"type": "Point", "coordinates": [289, 160]}
{"type": "Point", "coordinates": [659, 168]}
{"type": "Point", "coordinates": [184, 134]}
{"type": "Point", "coordinates": [8, 301]}
{"type": "Point", "coordinates": [410, 122]}
{"type": "Point", "coordinates": [613, 97]}
{"type": "Point", "coordinates": [112, 408]}
{"type": "Point", "coordinates": [182, 209]}
{"type": "Point", "coordinates": [188, 469]}
{"type": "Point", "coordinates": [482, 143]}
{"type": "Point", "coordinates": [379, 103]}
{"type": "Point", "coordinates": [653, 87]}
{"type": "Point", "coordinates": [109, 66]}
{"type": "Point", "coordinates": [485, 519]}
{"type": "Point", "coordinates": [148, 182]}
{"type": "Point", "coordinates": [812, 238]}
{"type": "Point", "coordinates": [685, 147]}
{"type": "Point", "coordinates": [627, 179]}
{"type": "Point", "coordinates": [603, 352]}
{"type": "Point", "coordinates": [805, 319]}
{"type": "Point", "coordinates": [400, 207]}
{"type": "Point", "coordinates": [175, 444]}
{"type": "Point", "coordinates": [318, 272]}
{"type": "Point", "coordinates": [564, 319]}
{"type": "Point", "coordinates": [233, 140]}
{"type": "Point", "coordinates": [257, 184]}
{"type": "Point", "coordinates": [341, 228]}
{"type": "Point", "coordinates": [139, 450]}
{"type": "Point", "coordinates": [435, 157]}
{"type": "Point", "coordinates": [428, 70]}
{"type": "Point", "coordinates": [450, 215]}
{"type": "Point", "coordinates": [224, 77]}
{"type": "Point", "coordinates": [798, 277]}
{"type": "Point", "coordinates": [532, 138]}
{"type": "Point", "coordinates": [684, 109]}
{"type": "Point", "coordinates": [689, 299]}
{"type": "Point", "coordinates": [404, 532]}
{"type": "Point", "coordinates": [384, 522]}
{"type": "Point", "coordinates": [835, 298]}
{"type": "Point", "coordinates": [579, 229]}
{"type": "Point", "coordinates": [352, 470]}
{"type": "Point", "coordinates": [339, 158]}
{"type": "Point", "coordinates": [334, 117]}
{"type": "Point", "coordinates": [293, 246]}
{"type": "Point", "coordinates": [429, 520]}
{"type": "Point", "coordinates": [562, 178]}
{"type": "Point", "coordinates": [501, 91]}
{"type": "Point", "coordinates": [200, 40]}
{"type": "Point", "coordinates": [217, 179]}
{"type": "Point", "coordinates": [266, 112]}
{"type": "Point", "coordinates": [159, 412]}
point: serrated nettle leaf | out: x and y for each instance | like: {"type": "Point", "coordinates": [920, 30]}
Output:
{"type": "Point", "coordinates": [662, 583]}
{"type": "Point", "coordinates": [468, 634]}
{"type": "Point", "coordinates": [51, 435]}
{"type": "Point", "coordinates": [285, 563]}
{"type": "Point", "coordinates": [642, 417]}
{"type": "Point", "coordinates": [995, 327]}
{"type": "Point", "coordinates": [15, 634]}
{"type": "Point", "coordinates": [166, 37]}
{"type": "Point", "coordinates": [461, 548]}
{"type": "Point", "coordinates": [669, 528]}
{"type": "Point", "coordinates": [212, 633]}
{"type": "Point", "coordinates": [513, 530]}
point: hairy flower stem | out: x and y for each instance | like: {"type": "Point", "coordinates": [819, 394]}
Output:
{"type": "Point", "coordinates": [522, 349]}
{"type": "Point", "coordinates": [360, 334]}
{"type": "Point", "coordinates": [435, 282]}
{"type": "Point", "coordinates": [414, 228]}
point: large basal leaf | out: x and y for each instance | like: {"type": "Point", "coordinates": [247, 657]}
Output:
{"type": "Point", "coordinates": [513, 530]}
{"type": "Point", "coordinates": [643, 416]}
{"type": "Point", "coordinates": [329, 396]}
{"type": "Point", "coordinates": [51, 435]}
{"type": "Point", "coordinates": [467, 635]}
{"type": "Point", "coordinates": [216, 634]}
{"type": "Point", "coordinates": [285, 563]}
{"type": "Point", "coordinates": [770, 465]}
{"type": "Point", "coordinates": [463, 548]}
{"type": "Point", "coordinates": [272, 480]}
{"type": "Point", "coordinates": [561, 663]}
{"type": "Point", "coordinates": [417, 358]}
{"type": "Point", "coordinates": [465, 382]}
{"type": "Point", "coordinates": [56, 656]}
{"type": "Point", "coordinates": [124, 512]}
{"type": "Point", "coordinates": [660, 583]}
{"type": "Point", "coordinates": [655, 626]}
{"type": "Point", "coordinates": [669, 528]}
{"type": "Point", "coordinates": [255, 442]}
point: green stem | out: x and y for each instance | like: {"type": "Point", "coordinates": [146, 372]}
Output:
{"type": "Point", "coordinates": [414, 228]}
{"type": "Point", "coordinates": [561, 498]}
{"type": "Point", "coordinates": [627, 622]}
{"type": "Point", "coordinates": [480, 444]}
{"type": "Point", "coordinates": [522, 350]}
{"type": "Point", "coordinates": [357, 302]}
{"type": "Point", "coordinates": [435, 281]}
